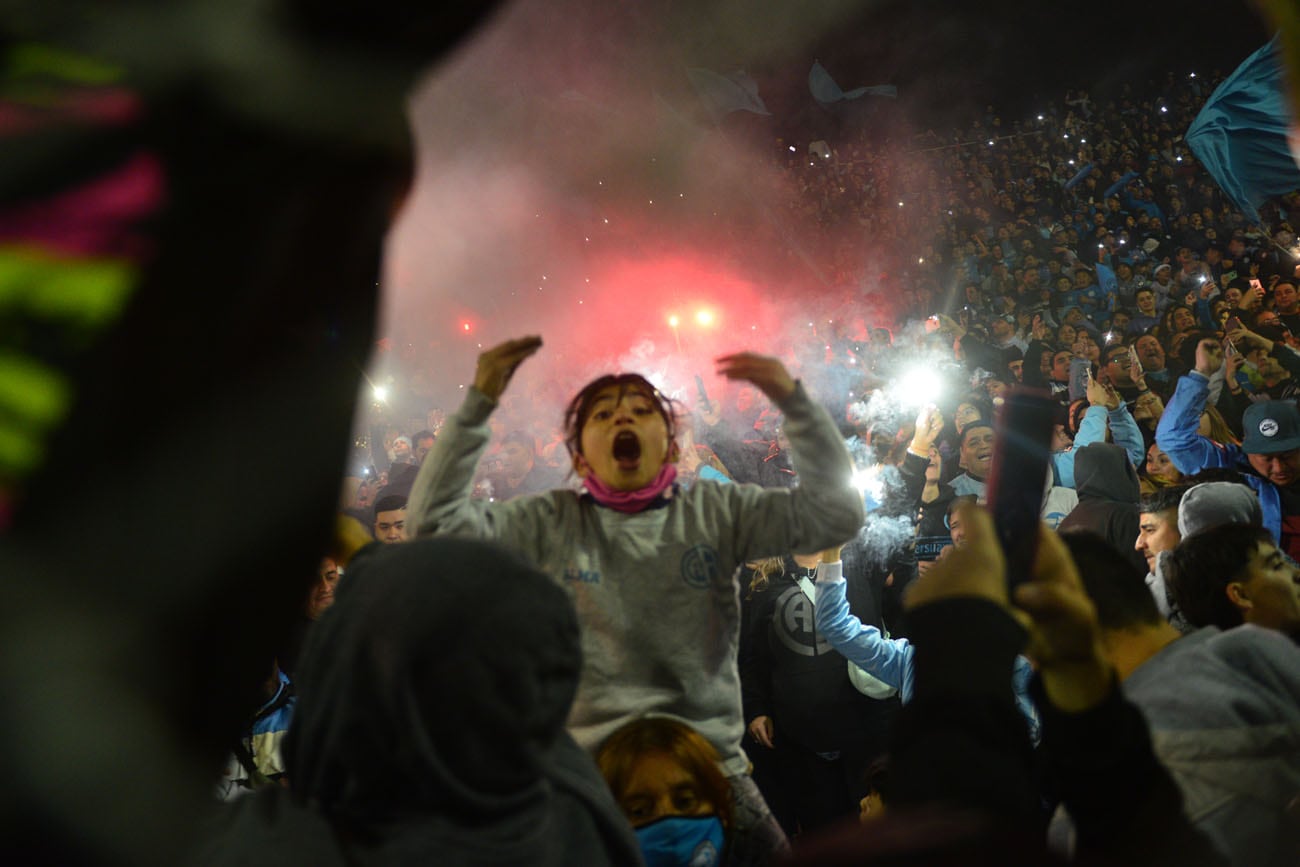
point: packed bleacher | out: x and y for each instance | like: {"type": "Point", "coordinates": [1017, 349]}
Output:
{"type": "Point", "coordinates": [1082, 252]}
{"type": "Point", "coordinates": [768, 622]}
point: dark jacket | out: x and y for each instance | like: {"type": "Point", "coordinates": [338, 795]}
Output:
{"type": "Point", "coordinates": [1108, 488]}
{"type": "Point", "coordinates": [432, 698]}
{"type": "Point", "coordinates": [790, 672]}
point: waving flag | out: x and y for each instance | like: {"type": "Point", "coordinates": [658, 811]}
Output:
{"type": "Point", "coordinates": [1078, 178]}
{"type": "Point", "coordinates": [723, 94]}
{"type": "Point", "coordinates": [1241, 134]}
{"type": "Point", "coordinates": [825, 90]}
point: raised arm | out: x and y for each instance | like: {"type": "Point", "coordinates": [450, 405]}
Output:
{"type": "Point", "coordinates": [956, 742]}
{"type": "Point", "coordinates": [888, 660]}
{"type": "Point", "coordinates": [905, 498]}
{"type": "Point", "coordinates": [1285, 355]}
{"type": "Point", "coordinates": [1177, 432]}
{"type": "Point", "coordinates": [440, 500]}
{"type": "Point", "coordinates": [1107, 409]}
{"type": "Point", "coordinates": [1123, 429]}
{"type": "Point", "coordinates": [825, 509]}
{"type": "Point", "coordinates": [1096, 748]}
{"type": "Point", "coordinates": [1125, 432]}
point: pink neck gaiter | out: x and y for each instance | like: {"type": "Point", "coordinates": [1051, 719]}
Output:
{"type": "Point", "coordinates": [631, 501]}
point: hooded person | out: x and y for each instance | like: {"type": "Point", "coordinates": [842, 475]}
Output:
{"type": "Point", "coordinates": [1108, 488]}
{"type": "Point", "coordinates": [430, 726]}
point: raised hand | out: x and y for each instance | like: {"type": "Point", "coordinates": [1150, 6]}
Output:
{"type": "Point", "coordinates": [1135, 371]}
{"type": "Point", "coordinates": [497, 365]}
{"type": "Point", "coordinates": [1039, 329]}
{"type": "Point", "coordinates": [929, 424]}
{"type": "Point", "coordinates": [1250, 298]}
{"type": "Point", "coordinates": [1209, 356]}
{"type": "Point", "coordinates": [764, 372]}
{"type": "Point", "coordinates": [950, 324]}
{"type": "Point", "coordinates": [1232, 361]}
{"type": "Point", "coordinates": [1064, 635]}
{"type": "Point", "coordinates": [1100, 394]}
{"type": "Point", "coordinates": [1245, 337]}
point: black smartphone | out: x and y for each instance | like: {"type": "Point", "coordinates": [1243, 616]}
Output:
{"type": "Point", "coordinates": [1022, 455]}
{"type": "Point", "coordinates": [1233, 323]}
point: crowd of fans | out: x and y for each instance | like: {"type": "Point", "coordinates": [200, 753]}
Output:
{"type": "Point", "coordinates": [1082, 252]}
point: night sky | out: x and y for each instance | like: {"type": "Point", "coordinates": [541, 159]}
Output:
{"type": "Point", "coordinates": [951, 58]}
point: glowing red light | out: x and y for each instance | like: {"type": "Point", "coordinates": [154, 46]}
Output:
{"type": "Point", "coordinates": [464, 326]}
{"type": "Point", "coordinates": [704, 318]}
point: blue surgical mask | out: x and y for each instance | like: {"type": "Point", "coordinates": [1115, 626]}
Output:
{"type": "Point", "coordinates": [682, 841]}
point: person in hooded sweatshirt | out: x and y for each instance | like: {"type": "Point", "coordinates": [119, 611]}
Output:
{"type": "Point", "coordinates": [1107, 483]}
{"type": "Point", "coordinates": [430, 726]}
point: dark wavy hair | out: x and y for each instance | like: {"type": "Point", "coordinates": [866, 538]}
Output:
{"type": "Point", "coordinates": [1203, 565]}
{"type": "Point", "coordinates": [579, 409]}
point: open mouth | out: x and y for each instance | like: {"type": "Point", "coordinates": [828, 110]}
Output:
{"type": "Point", "coordinates": [627, 450]}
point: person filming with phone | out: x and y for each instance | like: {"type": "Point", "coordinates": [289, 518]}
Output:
{"type": "Point", "coordinates": [1269, 454]}
{"type": "Point", "coordinates": [1265, 349]}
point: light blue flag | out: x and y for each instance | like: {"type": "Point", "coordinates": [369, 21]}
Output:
{"type": "Point", "coordinates": [1078, 179]}
{"type": "Point", "coordinates": [1109, 284]}
{"type": "Point", "coordinates": [723, 94]}
{"type": "Point", "coordinates": [1240, 135]}
{"type": "Point", "coordinates": [826, 91]}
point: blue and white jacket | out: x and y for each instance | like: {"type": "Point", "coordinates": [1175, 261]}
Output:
{"type": "Point", "coordinates": [889, 660]}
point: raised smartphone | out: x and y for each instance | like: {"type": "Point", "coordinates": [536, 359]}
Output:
{"type": "Point", "coordinates": [1022, 455]}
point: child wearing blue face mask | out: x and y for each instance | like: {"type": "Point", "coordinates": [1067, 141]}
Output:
{"type": "Point", "coordinates": [668, 780]}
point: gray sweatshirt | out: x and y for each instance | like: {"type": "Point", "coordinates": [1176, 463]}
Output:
{"type": "Point", "coordinates": [655, 590]}
{"type": "Point", "coordinates": [1224, 712]}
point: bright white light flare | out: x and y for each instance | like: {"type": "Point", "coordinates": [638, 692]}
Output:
{"type": "Point", "coordinates": [917, 387]}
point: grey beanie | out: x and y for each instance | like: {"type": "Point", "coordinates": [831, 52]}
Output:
{"type": "Point", "coordinates": [1213, 504]}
